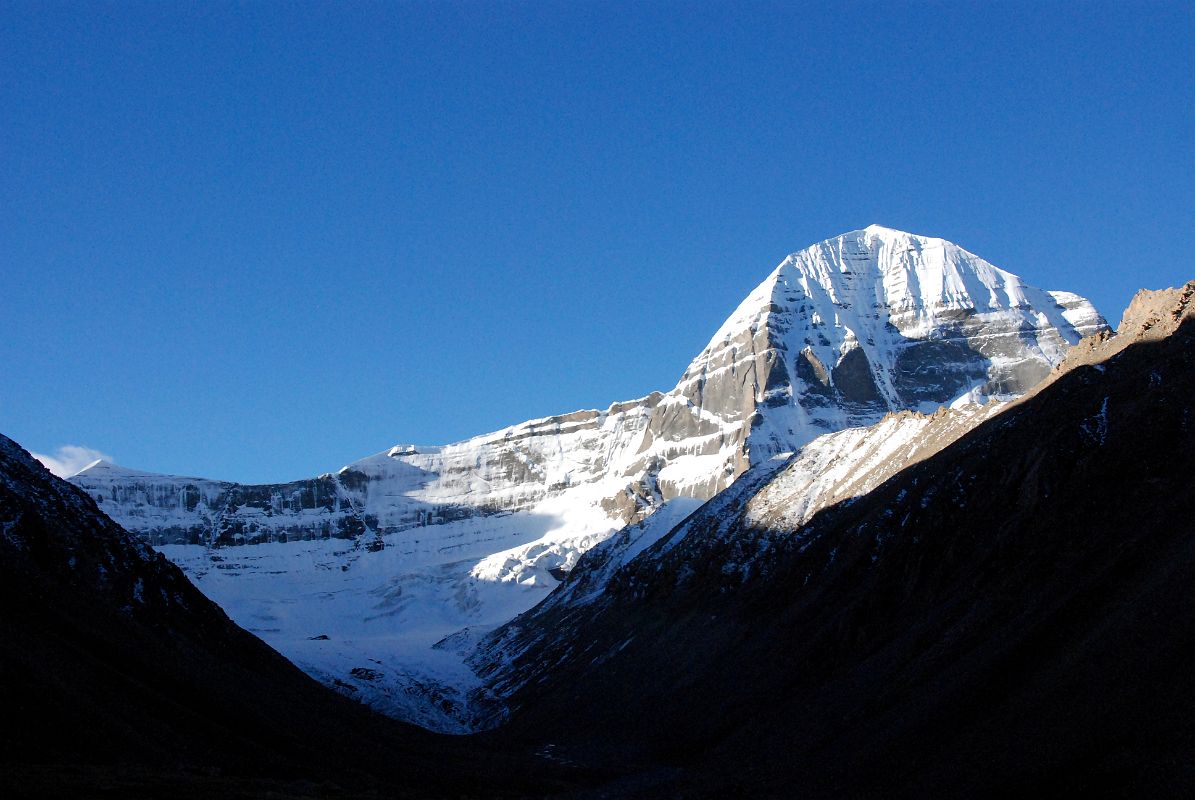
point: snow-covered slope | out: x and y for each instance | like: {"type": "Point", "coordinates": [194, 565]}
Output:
{"type": "Point", "coordinates": [768, 505]}
{"type": "Point", "coordinates": [397, 550]}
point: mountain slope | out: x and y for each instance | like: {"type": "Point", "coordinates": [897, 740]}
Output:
{"type": "Point", "coordinates": [1010, 615]}
{"type": "Point", "coordinates": [115, 671]}
{"type": "Point", "coordinates": [767, 504]}
{"type": "Point", "coordinates": [398, 550]}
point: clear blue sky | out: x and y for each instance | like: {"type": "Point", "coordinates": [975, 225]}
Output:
{"type": "Point", "coordinates": [259, 241]}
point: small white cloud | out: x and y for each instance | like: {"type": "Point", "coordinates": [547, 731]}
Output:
{"type": "Point", "coordinates": [70, 459]}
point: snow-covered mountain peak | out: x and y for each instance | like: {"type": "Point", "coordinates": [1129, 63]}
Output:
{"type": "Point", "coordinates": [902, 271]}
{"type": "Point", "coordinates": [103, 467]}
{"type": "Point", "coordinates": [905, 270]}
{"type": "Point", "coordinates": [432, 539]}
{"type": "Point", "coordinates": [872, 321]}
{"type": "Point", "coordinates": [99, 462]}
{"type": "Point", "coordinates": [103, 470]}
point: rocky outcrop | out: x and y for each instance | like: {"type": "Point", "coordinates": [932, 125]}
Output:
{"type": "Point", "coordinates": [1151, 315]}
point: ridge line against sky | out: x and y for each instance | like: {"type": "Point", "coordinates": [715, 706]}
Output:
{"type": "Point", "coordinates": [256, 242]}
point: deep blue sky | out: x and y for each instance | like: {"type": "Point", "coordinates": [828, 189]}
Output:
{"type": "Point", "coordinates": [259, 241]}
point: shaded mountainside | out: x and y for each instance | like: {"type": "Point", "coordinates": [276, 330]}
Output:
{"type": "Point", "coordinates": [117, 675]}
{"type": "Point", "coordinates": [1011, 615]}
{"type": "Point", "coordinates": [747, 521]}
{"type": "Point", "coordinates": [408, 546]}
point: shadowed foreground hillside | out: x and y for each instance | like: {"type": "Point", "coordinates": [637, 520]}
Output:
{"type": "Point", "coordinates": [118, 678]}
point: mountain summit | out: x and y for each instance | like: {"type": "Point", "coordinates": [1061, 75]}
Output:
{"type": "Point", "coordinates": [405, 547]}
{"type": "Point", "coordinates": [872, 321]}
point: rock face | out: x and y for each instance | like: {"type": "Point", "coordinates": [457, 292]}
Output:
{"type": "Point", "coordinates": [1152, 315]}
{"type": "Point", "coordinates": [405, 489]}
{"type": "Point", "coordinates": [949, 605]}
{"type": "Point", "coordinates": [838, 335]}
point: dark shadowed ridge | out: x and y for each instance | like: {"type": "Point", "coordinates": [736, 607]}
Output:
{"type": "Point", "coordinates": [1013, 617]}
{"type": "Point", "coordinates": [119, 679]}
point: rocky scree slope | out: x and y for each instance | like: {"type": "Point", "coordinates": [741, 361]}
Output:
{"type": "Point", "coordinates": [402, 548]}
{"type": "Point", "coordinates": [118, 675]}
{"type": "Point", "coordinates": [1010, 614]}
